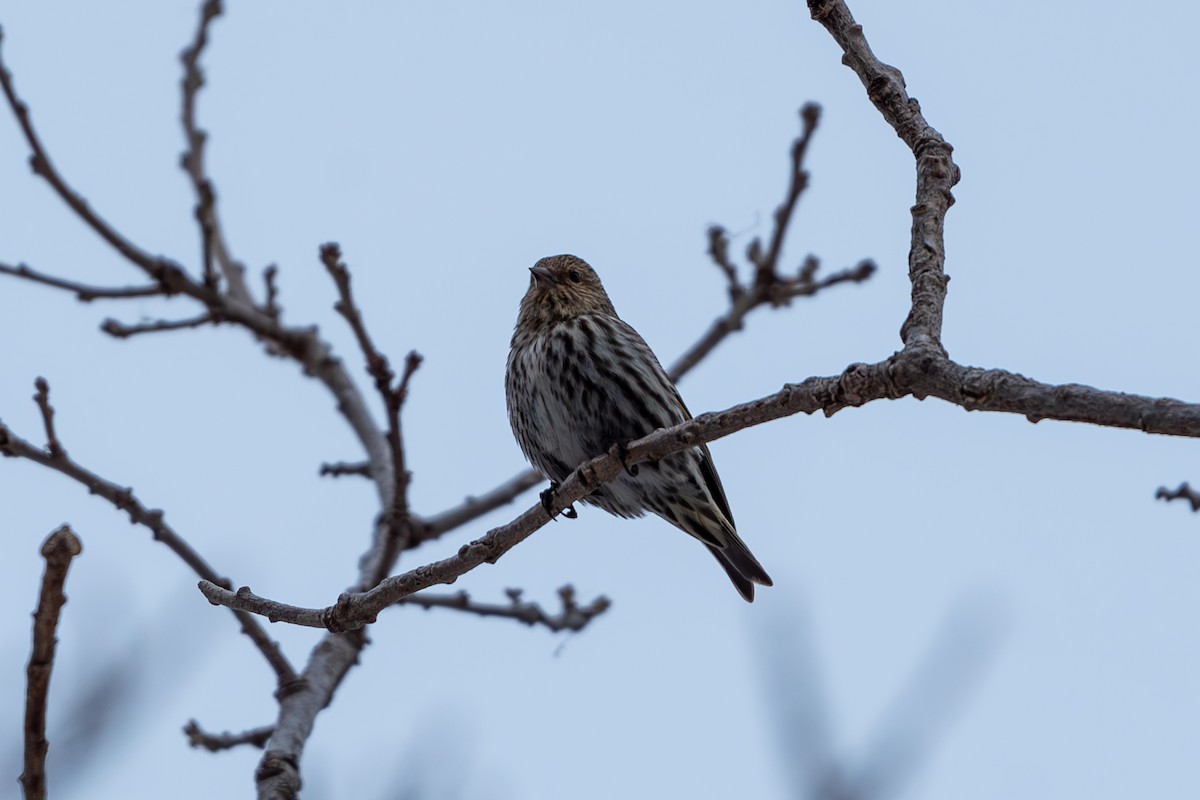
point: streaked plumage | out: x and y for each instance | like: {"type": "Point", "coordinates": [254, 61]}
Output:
{"type": "Point", "coordinates": [580, 380]}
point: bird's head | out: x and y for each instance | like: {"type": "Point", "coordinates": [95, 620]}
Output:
{"type": "Point", "coordinates": [563, 287]}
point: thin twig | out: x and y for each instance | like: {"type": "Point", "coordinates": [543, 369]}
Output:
{"type": "Point", "coordinates": [120, 330]}
{"type": "Point", "coordinates": [338, 469]}
{"type": "Point", "coordinates": [169, 274]}
{"type": "Point", "coordinates": [397, 518]}
{"type": "Point", "coordinates": [212, 237]}
{"type": "Point", "coordinates": [59, 549]}
{"type": "Point", "coordinates": [215, 742]}
{"type": "Point", "coordinates": [83, 292]}
{"type": "Point", "coordinates": [42, 398]}
{"type": "Point", "coordinates": [776, 291]}
{"type": "Point", "coordinates": [271, 304]}
{"type": "Point", "coordinates": [152, 519]}
{"type": "Point", "coordinates": [768, 262]}
{"type": "Point", "coordinates": [572, 617]}
{"type": "Point", "coordinates": [1183, 492]}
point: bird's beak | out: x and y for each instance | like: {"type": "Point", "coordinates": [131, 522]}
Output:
{"type": "Point", "coordinates": [544, 277]}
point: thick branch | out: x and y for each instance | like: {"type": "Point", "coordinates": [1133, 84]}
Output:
{"type": "Point", "coordinates": [936, 170]}
{"type": "Point", "coordinates": [59, 549]}
{"type": "Point", "coordinates": [573, 617]}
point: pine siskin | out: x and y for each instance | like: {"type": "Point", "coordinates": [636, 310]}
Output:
{"type": "Point", "coordinates": [580, 380]}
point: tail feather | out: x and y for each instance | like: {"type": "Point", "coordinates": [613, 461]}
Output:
{"type": "Point", "coordinates": [741, 566]}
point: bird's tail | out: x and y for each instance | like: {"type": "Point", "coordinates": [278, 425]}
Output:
{"type": "Point", "coordinates": [741, 566]}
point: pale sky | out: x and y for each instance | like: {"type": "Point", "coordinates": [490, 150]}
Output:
{"type": "Point", "coordinates": [447, 147]}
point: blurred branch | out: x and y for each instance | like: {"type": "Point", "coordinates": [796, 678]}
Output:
{"type": "Point", "coordinates": [572, 617]}
{"type": "Point", "coordinates": [120, 330]}
{"type": "Point", "coordinates": [55, 457]}
{"type": "Point", "coordinates": [59, 549]}
{"type": "Point", "coordinates": [338, 469]}
{"type": "Point", "coordinates": [1183, 492]}
{"type": "Point", "coordinates": [215, 742]}
{"type": "Point", "coordinates": [965, 645]}
{"type": "Point", "coordinates": [83, 292]}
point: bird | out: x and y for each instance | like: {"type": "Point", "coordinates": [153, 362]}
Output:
{"type": "Point", "coordinates": [580, 380]}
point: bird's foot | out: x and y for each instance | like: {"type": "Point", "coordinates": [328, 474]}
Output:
{"type": "Point", "coordinates": [547, 498]}
{"type": "Point", "coordinates": [622, 453]}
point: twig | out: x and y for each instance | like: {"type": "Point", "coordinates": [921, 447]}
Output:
{"type": "Point", "coordinates": [397, 515]}
{"type": "Point", "coordinates": [1183, 492]}
{"type": "Point", "coordinates": [212, 237]}
{"type": "Point", "coordinates": [120, 330]}
{"type": "Point", "coordinates": [215, 742]}
{"type": "Point", "coordinates": [573, 617]}
{"type": "Point", "coordinates": [83, 292]}
{"type": "Point", "coordinates": [718, 249]}
{"type": "Point", "coordinates": [124, 499]}
{"type": "Point", "coordinates": [168, 274]}
{"type": "Point", "coordinates": [776, 291]}
{"type": "Point", "coordinates": [768, 262]}
{"type": "Point", "coordinates": [59, 549]}
{"type": "Point", "coordinates": [340, 468]}
{"type": "Point", "coordinates": [42, 398]}
{"type": "Point", "coordinates": [271, 304]}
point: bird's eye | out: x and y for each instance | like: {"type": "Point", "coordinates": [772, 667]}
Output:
{"type": "Point", "coordinates": [574, 276]}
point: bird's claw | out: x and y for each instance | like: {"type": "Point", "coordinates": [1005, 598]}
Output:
{"type": "Point", "coordinates": [547, 498]}
{"type": "Point", "coordinates": [623, 454]}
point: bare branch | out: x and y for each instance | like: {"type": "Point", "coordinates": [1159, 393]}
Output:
{"type": "Point", "coordinates": [83, 292]}
{"type": "Point", "coordinates": [771, 289]}
{"type": "Point", "coordinates": [59, 549]}
{"type": "Point", "coordinates": [1183, 492]}
{"type": "Point", "coordinates": [573, 617]}
{"type": "Point", "coordinates": [215, 742]}
{"type": "Point", "coordinates": [212, 237]}
{"type": "Point", "coordinates": [123, 498]}
{"type": "Point", "coordinates": [169, 275]}
{"type": "Point", "coordinates": [936, 171]}
{"type": "Point", "coordinates": [120, 330]}
{"type": "Point", "coordinates": [768, 262]}
{"type": "Point", "coordinates": [380, 370]}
